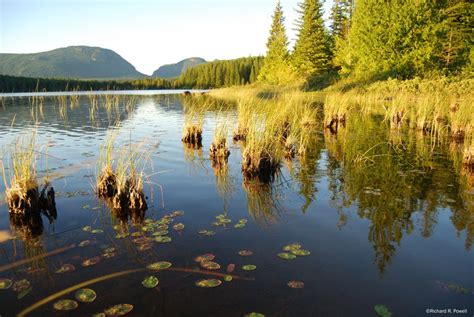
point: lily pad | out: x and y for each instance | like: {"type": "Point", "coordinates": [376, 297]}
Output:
{"type": "Point", "coordinates": [207, 232]}
{"type": "Point", "coordinates": [65, 304]}
{"type": "Point", "coordinates": [254, 314]}
{"type": "Point", "coordinates": [245, 253]}
{"type": "Point", "coordinates": [209, 265]}
{"type": "Point", "coordinates": [162, 265]}
{"type": "Point", "coordinates": [208, 283]}
{"type": "Point", "coordinates": [301, 252]}
{"type": "Point", "coordinates": [382, 310]}
{"type": "Point", "coordinates": [150, 282]}
{"type": "Point", "coordinates": [96, 231]}
{"type": "Point", "coordinates": [225, 220]}
{"type": "Point", "coordinates": [295, 284]}
{"type": "Point", "coordinates": [85, 295]}
{"type": "Point", "coordinates": [177, 213]}
{"type": "Point", "coordinates": [85, 243]}
{"type": "Point", "coordinates": [291, 247]}
{"type": "Point", "coordinates": [178, 227]}
{"type": "Point", "coordinates": [25, 292]}
{"type": "Point", "coordinates": [228, 278]}
{"type": "Point", "coordinates": [21, 285]}
{"type": "Point", "coordinates": [286, 256]}
{"type": "Point", "coordinates": [91, 261]}
{"type": "Point", "coordinates": [141, 240]}
{"type": "Point", "coordinates": [239, 225]}
{"type": "Point", "coordinates": [99, 315]}
{"type": "Point", "coordinates": [65, 268]}
{"type": "Point", "coordinates": [144, 247]}
{"type": "Point", "coordinates": [249, 267]}
{"type": "Point", "coordinates": [244, 221]}
{"type": "Point", "coordinates": [5, 283]}
{"type": "Point", "coordinates": [87, 228]}
{"type": "Point", "coordinates": [119, 310]}
{"type": "Point", "coordinates": [160, 233]}
{"type": "Point", "coordinates": [204, 258]}
{"type": "Point", "coordinates": [163, 239]}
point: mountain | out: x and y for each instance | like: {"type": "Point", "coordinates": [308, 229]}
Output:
{"type": "Point", "coordinates": [83, 62]}
{"type": "Point", "coordinates": [174, 70]}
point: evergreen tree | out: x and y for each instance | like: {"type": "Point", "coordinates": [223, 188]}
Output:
{"type": "Point", "coordinates": [311, 54]}
{"type": "Point", "coordinates": [276, 68]}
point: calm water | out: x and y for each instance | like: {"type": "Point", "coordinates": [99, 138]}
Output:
{"type": "Point", "coordinates": [394, 229]}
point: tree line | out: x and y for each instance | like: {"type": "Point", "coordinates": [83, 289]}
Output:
{"type": "Point", "coordinates": [372, 39]}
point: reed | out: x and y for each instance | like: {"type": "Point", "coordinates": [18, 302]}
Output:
{"type": "Point", "coordinates": [219, 151]}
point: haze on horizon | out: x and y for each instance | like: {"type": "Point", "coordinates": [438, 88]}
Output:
{"type": "Point", "coordinates": [147, 33]}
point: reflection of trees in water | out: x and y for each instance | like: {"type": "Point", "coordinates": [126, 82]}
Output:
{"type": "Point", "coordinates": [392, 180]}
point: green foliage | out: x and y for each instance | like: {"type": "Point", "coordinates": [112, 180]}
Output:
{"type": "Point", "coordinates": [276, 68]}
{"type": "Point", "coordinates": [311, 55]}
{"type": "Point", "coordinates": [175, 70]}
{"type": "Point", "coordinates": [69, 62]}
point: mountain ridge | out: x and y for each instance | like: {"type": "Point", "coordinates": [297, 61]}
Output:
{"type": "Point", "coordinates": [175, 70]}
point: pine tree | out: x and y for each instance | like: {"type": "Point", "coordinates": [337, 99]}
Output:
{"type": "Point", "coordinates": [276, 68]}
{"type": "Point", "coordinates": [311, 54]}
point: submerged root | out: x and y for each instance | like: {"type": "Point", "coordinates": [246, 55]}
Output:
{"type": "Point", "coordinates": [219, 153]}
{"type": "Point", "coordinates": [259, 165]}
{"type": "Point", "coordinates": [192, 135]}
{"type": "Point", "coordinates": [107, 183]}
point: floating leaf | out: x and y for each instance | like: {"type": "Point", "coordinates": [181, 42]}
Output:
{"type": "Point", "coordinates": [254, 314]}
{"type": "Point", "coordinates": [87, 228]}
{"type": "Point", "coordinates": [178, 227]}
{"type": "Point", "coordinates": [121, 235]}
{"type": "Point", "coordinates": [160, 233]}
{"type": "Point", "coordinates": [245, 253]}
{"type": "Point", "coordinates": [5, 283]}
{"type": "Point", "coordinates": [65, 268]}
{"type": "Point", "coordinates": [84, 243]}
{"type": "Point", "coordinates": [163, 239]}
{"type": "Point", "coordinates": [91, 261]}
{"type": "Point", "coordinates": [295, 284]}
{"type": "Point", "coordinates": [119, 310]}
{"type": "Point", "coordinates": [382, 311]}
{"type": "Point", "coordinates": [207, 232]}
{"type": "Point", "coordinates": [144, 247]}
{"type": "Point", "coordinates": [65, 304]}
{"type": "Point", "coordinates": [209, 265]}
{"type": "Point", "coordinates": [96, 231]}
{"type": "Point", "coordinates": [141, 240]}
{"type": "Point", "coordinates": [225, 220]}
{"type": "Point", "coordinates": [249, 267]}
{"type": "Point", "coordinates": [291, 247]}
{"type": "Point", "coordinates": [150, 282]}
{"type": "Point", "coordinates": [244, 221]}
{"type": "Point", "coordinates": [204, 258]}
{"type": "Point", "coordinates": [217, 224]}
{"type": "Point", "coordinates": [208, 283]}
{"type": "Point", "coordinates": [228, 278]}
{"type": "Point", "coordinates": [301, 252]}
{"type": "Point", "coordinates": [230, 268]}
{"type": "Point", "coordinates": [99, 315]}
{"type": "Point", "coordinates": [136, 234]}
{"type": "Point", "coordinates": [21, 285]}
{"type": "Point", "coordinates": [286, 256]}
{"type": "Point", "coordinates": [24, 292]}
{"type": "Point", "coordinates": [239, 225]}
{"type": "Point", "coordinates": [85, 295]}
{"type": "Point", "coordinates": [177, 213]}
{"type": "Point", "coordinates": [162, 265]}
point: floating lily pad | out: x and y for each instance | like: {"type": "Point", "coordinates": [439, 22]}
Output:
{"type": "Point", "coordinates": [163, 239]}
{"type": "Point", "coordinates": [228, 278]}
{"type": "Point", "coordinates": [21, 285]}
{"type": "Point", "coordinates": [91, 261]}
{"type": "Point", "coordinates": [5, 283]}
{"type": "Point", "coordinates": [249, 267]}
{"type": "Point", "coordinates": [119, 310]}
{"type": "Point", "coordinates": [244, 221]}
{"type": "Point", "coordinates": [85, 295]}
{"type": "Point", "coordinates": [99, 315]}
{"type": "Point", "coordinates": [162, 265]}
{"type": "Point", "coordinates": [65, 304]}
{"type": "Point", "coordinates": [160, 233]}
{"type": "Point", "coordinates": [204, 258]}
{"type": "Point", "coordinates": [301, 252]}
{"type": "Point", "coordinates": [25, 292]}
{"type": "Point", "coordinates": [382, 310]}
{"type": "Point", "coordinates": [122, 235]}
{"type": "Point", "coordinates": [295, 284]}
{"type": "Point", "coordinates": [217, 224]}
{"type": "Point", "coordinates": [245, 253]}
{"type": "Point", "coordinates": [84, 243]}
{"type": "Point", "coordinates": [225, 220]}
{"type": "Point", "coordinates": [208, 283]}
{"type": "Point", "coordinates": [65, 268]}
{"type": "Point", "coordinates": [230, 268]}
{"type": "Point", "coordinates": [150, 282]}
{"type": "Point", "coordinates": [209, 265]}
{"type": "Point", "coordinates": [239, 225]}
{"type": "Point", "coordinates": [291, 247]}
{"type": "Point", "coordinates": [207, 232]}
{"type": "Point", "coordinates": [177, 213]}
{"type": "Point", "coordinates": [178, 227]}
{"type": "Point", "coordinates": [87, 228]}
{"type": "Point", "coordinates": [96, 231]}
{"type": "Point", "coordinates": [286, 256]}
{"type": "Point", "coordinates": [141, 240]}
{"type": "Point", "coordinates": [254, 314]}
{"type": "Point", "coordinates": [144, 247]}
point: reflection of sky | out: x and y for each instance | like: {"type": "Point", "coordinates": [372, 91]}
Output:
{"type": "Point", "coordinates": [148, 33]}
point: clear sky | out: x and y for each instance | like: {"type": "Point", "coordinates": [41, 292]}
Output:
{"type": "Point", "coordinates": [147, 33]}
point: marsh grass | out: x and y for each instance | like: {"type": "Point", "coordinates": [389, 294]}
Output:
{"type": "Point", "coordinates": [219, 151]}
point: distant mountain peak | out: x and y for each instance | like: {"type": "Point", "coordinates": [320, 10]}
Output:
{"type": "Point", "coordinates": [175, 70]}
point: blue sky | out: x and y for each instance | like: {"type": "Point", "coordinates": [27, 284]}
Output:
{"type": "Point", "coordinates": [148, 33]}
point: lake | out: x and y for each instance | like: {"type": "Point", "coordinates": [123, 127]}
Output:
{"type": "Point", "coordinates": [388, 219]}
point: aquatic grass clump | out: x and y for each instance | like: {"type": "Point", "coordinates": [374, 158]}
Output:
{"type": "Point", "coordinates": [107, 180]}
{"type": "Point", "coordinates": [468, 158]}
{"type": "Point", "coordinates": [219, 151]}
{"type": "Point", "coordinates": [192, 135]}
